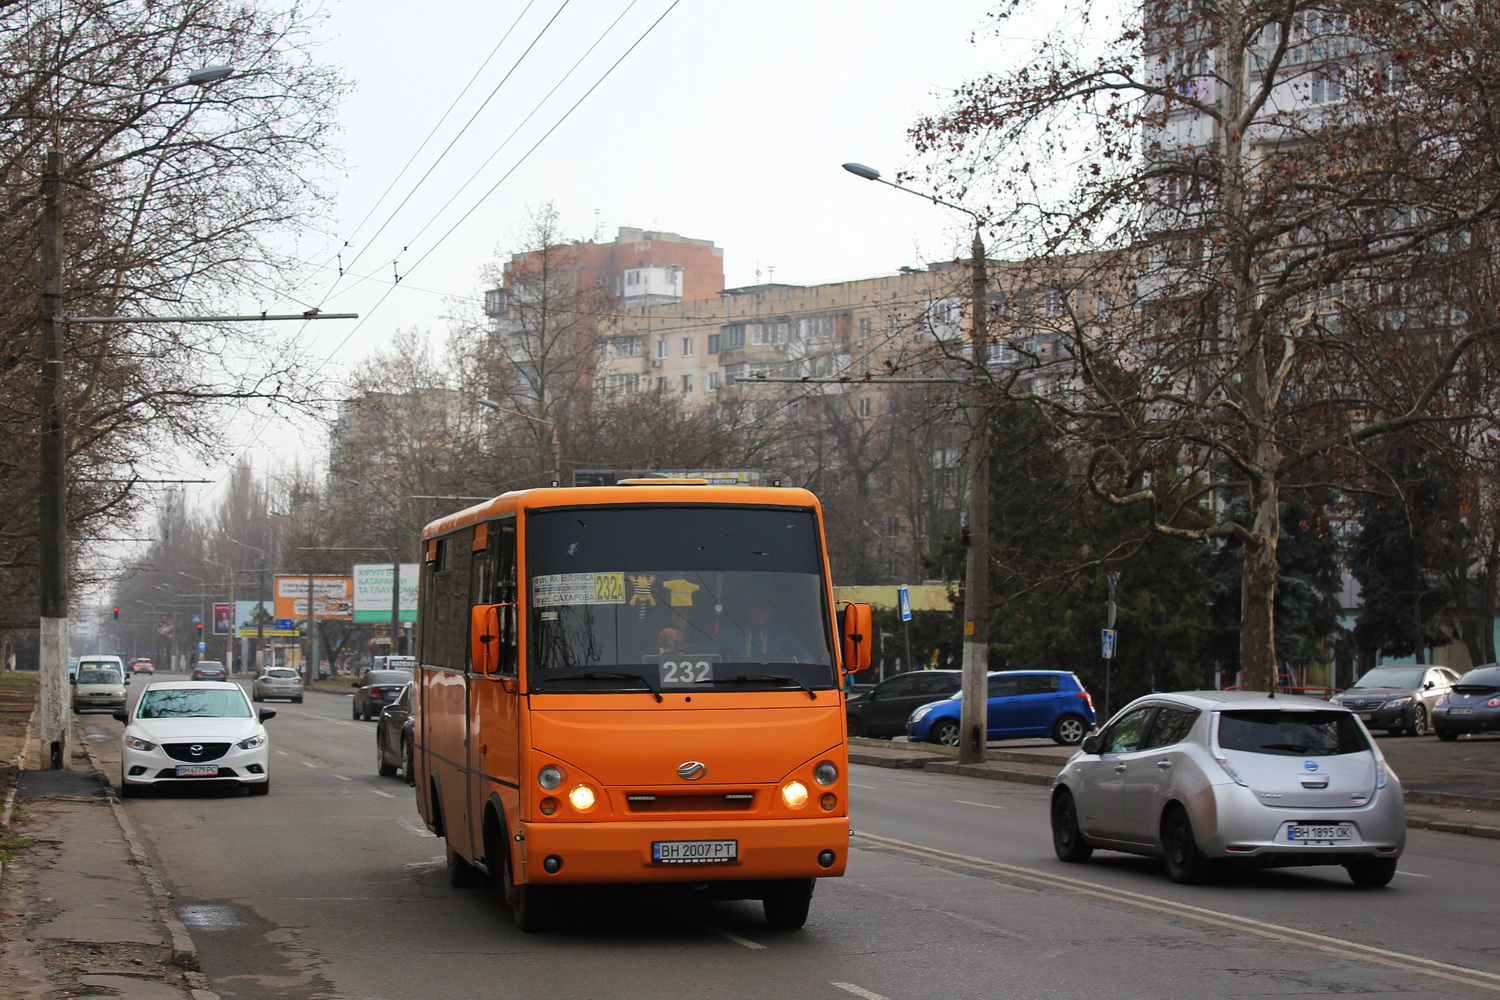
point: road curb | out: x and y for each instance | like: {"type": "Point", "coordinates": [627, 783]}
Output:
{"type": "Point", "coordinates": [184, 952]}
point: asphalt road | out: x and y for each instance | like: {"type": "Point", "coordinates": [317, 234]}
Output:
{"type": "Point", "coordinates": [330, 886]}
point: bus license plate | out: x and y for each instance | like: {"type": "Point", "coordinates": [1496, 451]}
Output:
{"type": "Point", "coordinates": [188, 770]}
{"type": "Point", "coordinates": [694, 852]}
{"type": "Point", "coordinates": [1307, 833]}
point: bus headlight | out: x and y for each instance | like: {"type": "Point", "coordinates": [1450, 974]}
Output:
{"type": "Point", "coordinates": [582, 798]}
{"type": "Point", "coordinates": [826, 773]}
{"type": "Point", "coordinates": [550, 777]}
{"type": "Point", "coordinates": [794, 794]}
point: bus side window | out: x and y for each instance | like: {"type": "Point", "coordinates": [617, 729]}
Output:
{"type": "Point", "coordinates": [492, 584]}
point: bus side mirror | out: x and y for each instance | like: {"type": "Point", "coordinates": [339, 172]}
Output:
{"type": "Point", "coordinates": [484, 638]}
{"type": "Point", "coordinates": [487, 639]}
{"type": "Point", "coordinates": [856, 634]}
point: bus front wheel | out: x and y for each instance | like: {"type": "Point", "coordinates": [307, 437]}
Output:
{"type": "Point", "coordinates": [786, 903]}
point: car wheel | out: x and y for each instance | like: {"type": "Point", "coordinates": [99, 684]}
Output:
{"type": "Point", "coordinates": [1067, 840]}
{"type": "Point", "coordinates": [297, 700]}
{"type": "Point", "coordinates": [1446, 735]}
{"type": "Point", "coordinates": [945, 732]}
{"type": "Point", "coordinates": [1185, 865]}
{"type": "Point", "coordinates": [856, 727]}
{"type": "Point", "coordinates": [260, 787]}
{"type": "Point", "coordinates": [1069, 731]}
{"type": "Point", "coordinates": [1372, 873]}
{"type": "Point", "coordinates": [382, 768]}
{"type": "Point", "coordinates": [354, 712]}
{"type": "Point", "coordinates": [1418, 725]}
{"type": "Point", "coordinates": [461, 874]}
{"type": "Point", "coordinates": [786, 903]}
{"type": "Point", "coordinates": [129, 791]}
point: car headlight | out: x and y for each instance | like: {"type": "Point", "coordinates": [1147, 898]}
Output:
{"type": "Point", "coordinates": [1398, 702]}
{"type": "Point", "coordinates": [920, 714]}
{"type": "Point", "coordinates": [250, 743]}
{"type": "Point", "coordinates": [136, 743]}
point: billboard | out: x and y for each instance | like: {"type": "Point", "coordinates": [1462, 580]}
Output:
{"type": "Point", "coordinates": [372, 592]}
{"type": "Point", "coordinates": [332, 596]}
{"type": "Point", "coordinates": [250, 618]}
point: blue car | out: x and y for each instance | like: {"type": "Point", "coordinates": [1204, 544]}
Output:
{"type": "Point", "coordinates": [1021, 703]}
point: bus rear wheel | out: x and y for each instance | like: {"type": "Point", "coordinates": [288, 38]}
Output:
{"type": "Point", "coordinates": [461, 874]}
{"type": "Point", "coordinates": [786, 903]}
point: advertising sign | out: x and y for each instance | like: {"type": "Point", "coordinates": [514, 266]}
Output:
{"type": "Point", "coordinates": [250, 617]}
{"type": "Point", "coordinates": [223, 618]}
{"type": "Point", "coordinates": [331, 597]}
{"type": "Point", "coordinates": [372, 592]}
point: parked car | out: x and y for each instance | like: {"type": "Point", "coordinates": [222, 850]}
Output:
{"type": "Point", "coordinates": [1202, 777]}
{"type": "Point", "coordinates": [99, 683]}
{"type": "Point", "coordinates": [1021, 703]}
{"type": "Point", "coordinates": [882, 710]}
{"type": "Point", "coordinates": [394, 731]}
{"type": "Point", "coordinates": [143, 665]}
{"type": "Point", "coordinates": [1472, 706]}
{"type": "Point", "coordinates": [277, 682]}
{"type": "Point", "coordinates": [1398, 698]}
{"type": "Point", "coordinates": [376, 689]}
{"type": "Point", "coordinates": [209, 670]}
{"type": "Point", "coordinates": [190, 732]}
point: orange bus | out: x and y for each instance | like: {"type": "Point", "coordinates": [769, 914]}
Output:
{"type": "Point", "coordinates": [636, 684]}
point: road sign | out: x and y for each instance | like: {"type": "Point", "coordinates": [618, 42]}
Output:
{"type": "Point", "coordinates": [903, 601]}
{"type": "Point", "coordinates": [1107, 642]}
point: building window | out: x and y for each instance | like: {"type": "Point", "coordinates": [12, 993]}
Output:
{"type": "Point", "coordinates": [713, 343]}
{"type": "Point", "coordinates": [713, 382]}
{"type": "Point", "coordinates": [687, 347]}
{"type": "Point", "coordinates": [627, 347]}
{"type": "Point", "coordinates": [864, 327]}
{"type": "Point", "coordinates": [661, 347]}
{"type": "Point", "coordinates": [862, 407]}
{"type": "Point", "coordinates": [661, 383]}
{"type": "Point", "coordinates": [734, 336]}
{"type": "Point", "coordinates": [1327, 85]}
{"type": "Point", "coordinates": [687, 383]}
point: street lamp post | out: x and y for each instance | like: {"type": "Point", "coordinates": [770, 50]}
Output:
{"type": "Point", "coordinates": [490, 404]}
{"type": "Point", "coordinates": [260, 605]}
{"type": "Point", "coordinates": [233, 616]}
{"type": "Point", "coordinates": [973, 712]}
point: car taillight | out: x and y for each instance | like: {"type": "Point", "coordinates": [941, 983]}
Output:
{"type": "Point", "coordinates": [1086, 697]}
{"type": "Point", "coordinates": [1493, 703]}
{"type": "Point", "coordinates": [374, 692]}
{"type": "Point", "coordinates": [1441, 702]}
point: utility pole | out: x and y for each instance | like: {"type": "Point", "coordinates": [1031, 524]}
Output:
{"type": "Point", "coordinates": [52, 562]}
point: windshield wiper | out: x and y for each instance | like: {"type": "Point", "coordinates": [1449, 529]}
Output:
{"type": "Point", "coordinates": [611, 675]}
{"type": "Point", "coordinates": [746, 678]}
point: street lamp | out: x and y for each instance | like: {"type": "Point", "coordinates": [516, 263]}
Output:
{"type": "Point", "coordinates": [975, 700]}
{"type": "Point", "coordinates": [52, 557]}
{"type": "Point", "coordinates": [490, 404]}
{"type": "Point", "coordinates": [260, 603]}
{"type": "Point", "coordinates": [233, 617]}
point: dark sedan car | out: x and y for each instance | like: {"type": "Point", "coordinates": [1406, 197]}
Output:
{"type": "Point", "coordinates": [1399, 698]}
{"type": "Point", "coordinates": [210, 670]}
{"type": "Point", "coordinates": [882, 711]}
{"type": "Point", "coordinates": [376, 689]}
{"type": "Point", "coordinates": [393, 737]}
{"type": "Point", "coordinates": [1472, 706]}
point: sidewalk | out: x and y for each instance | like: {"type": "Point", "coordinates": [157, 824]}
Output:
{"type": "Point", "coordinates": [82, 912]}
{"type": "Point", "coordinates": [1428, 807]}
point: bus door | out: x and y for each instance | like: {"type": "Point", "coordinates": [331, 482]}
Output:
{"type": "Point", "coordinates": [494, 698]}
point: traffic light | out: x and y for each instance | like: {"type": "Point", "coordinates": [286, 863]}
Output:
{"type": "Point", "coordinates": [200, 630]}
{"type": "Point", "coordinates": [117, 611]}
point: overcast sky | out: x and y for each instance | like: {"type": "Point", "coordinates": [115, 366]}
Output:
{"type": "Point", "coordinates": [724, 120]}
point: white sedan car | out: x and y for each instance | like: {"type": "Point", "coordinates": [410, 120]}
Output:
{"type": "Point", "coordinates": [1203, 778]}
{"type": "Point", "coordinates": [188, 732]}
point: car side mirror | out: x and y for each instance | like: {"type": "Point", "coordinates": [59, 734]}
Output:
{"type": "Point", "coordinates": [1429, 684]}
{"type": "Point", "coordinates": [1090, 744]}
{"type": "Point", "coordinates": [121, 715]}
{"type": "Point", "coordinates": [267, 713]}
{"type": "Point", "coordinates": [355, 684]}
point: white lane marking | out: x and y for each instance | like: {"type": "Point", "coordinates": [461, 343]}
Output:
{"type": "Point", "coordinates": [982, 805]}
{"type": "Point", "coordinates": [858, 991]}
{"type": "Point", "coordinates": [308, 763]}
{"type": "Point", "coordinates": [1412, 874]}
{"type": "Point", "coordinates": [283, 753]}
{"type": "Point", "coordinates": [342, 777]}
{"type": "Point", "coordinates": [732, 937]}
{"type": "Point", "coordinates": [421, 831]}
{"type": "Point", "coordinates": [1341, 947]}
{"type": "Point", "coordinates": [384, 794]}
{"type": "Point", "coordinates": [855, 784]}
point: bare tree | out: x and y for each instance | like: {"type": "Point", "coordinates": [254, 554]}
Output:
{"type": "Point", "coordinates": [173, 200]}
{"type": "Point", "coordinates": [1268, 182]}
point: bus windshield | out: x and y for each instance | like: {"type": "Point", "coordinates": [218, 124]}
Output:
{"type": "Point", "coordinates": [677, 598]}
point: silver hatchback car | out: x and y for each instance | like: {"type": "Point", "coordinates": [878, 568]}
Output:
{"type": "Point", "coordinates": [1202, 777]}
